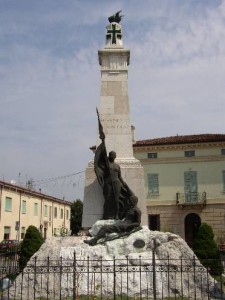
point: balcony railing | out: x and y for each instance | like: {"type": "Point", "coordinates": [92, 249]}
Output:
{"type": "Point", "coordinates": [191, 198]}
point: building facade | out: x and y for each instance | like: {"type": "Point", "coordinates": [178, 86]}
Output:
{"type": "Point", "coordinates": [184, 183]}
{"type": "Point", "coordinates": [21, 207]}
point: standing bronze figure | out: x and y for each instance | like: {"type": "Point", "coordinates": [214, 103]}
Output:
{"type": "Point", "coordinates": [116, 192]}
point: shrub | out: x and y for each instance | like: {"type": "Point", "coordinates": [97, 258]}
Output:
{"type": "Point", "coordinates": [205, 249]}
{"type": "Point", "coordinates": [30, 244]}
{"type": "Point", "coordinates": [76, 216]}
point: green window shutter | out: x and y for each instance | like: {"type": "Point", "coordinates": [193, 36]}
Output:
{"type": "Point", "coordinates": [153, 183]}
{"type": "Point", "coordinates": [190, 185]}
{"type": "Point", "coordinates": [45, 210]}
{"type": "Point", "coordinates": [224, 180]}
{"type": "Point", "coordinates": [24, 207]}
{"type": "Point", "coordinates": [8, 204]}
{"type": "Point", "coordinates": [35, 209]}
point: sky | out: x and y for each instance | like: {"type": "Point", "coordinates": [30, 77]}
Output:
{"type": "Point", "coordinates": [50, 80]}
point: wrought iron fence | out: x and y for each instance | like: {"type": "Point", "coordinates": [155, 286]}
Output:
{"type": "Point", "coordinates": [129, 278]}
{"type": "Point", "coordinates": [9, 263]}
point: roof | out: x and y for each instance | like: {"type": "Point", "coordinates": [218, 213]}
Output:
{"type": "Point", "coordinates": [181, 139]}
{"type": "Point", "coordinates": [20, 189]}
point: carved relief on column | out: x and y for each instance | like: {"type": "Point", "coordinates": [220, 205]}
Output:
{"type": "Point", "coordinates": [114, 62]}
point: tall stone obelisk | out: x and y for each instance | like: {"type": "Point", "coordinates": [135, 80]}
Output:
{"type": "Point", "coordinates": [115, 118]}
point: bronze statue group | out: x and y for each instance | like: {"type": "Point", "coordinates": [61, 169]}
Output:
{"type": "Point", "coordinates": [120, 202]}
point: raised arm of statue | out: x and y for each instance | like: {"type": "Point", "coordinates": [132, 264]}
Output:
{"type": "Point", "coordinates": [100, 128]}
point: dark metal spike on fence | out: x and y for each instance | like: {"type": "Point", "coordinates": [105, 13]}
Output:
{"type": "Point", "coordinates": [114, 277]}
{"type": "Point", "coordinates": [35, 270]}
{"type": "Point", "coordinates": [88, 270]}
{"type": "Point", "coordinates": [74, 276]}
{"type": "Point", "coordinates": [101, 274]}
{"type": "Point", "coordinates": [48, 262]}
{"type": "Point", "coordinates": [168, 274]}
{"type": "Point", "coordinates": [181, 274]}
{"type": "Point", "coordinates": [60, 275]}
{"type": "Point", "coordinates": [127, 267]}
{"type": "Point", "coordinates": [194, 265]}
{"type": "Point", "coordinates": [140, 273]}
{"type": "Point", "coordinates": [207, 276]}
{"type": "Point", "coordinates": [153, 270]}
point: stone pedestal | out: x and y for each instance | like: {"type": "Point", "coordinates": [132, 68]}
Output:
{"type": "Point", "coordinates": [133, 175]}
{"type": "Point", "coordinates": [115, 118]}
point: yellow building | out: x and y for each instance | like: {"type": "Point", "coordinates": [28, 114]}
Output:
{"type": "Point", "coordinates": [185, 183]}
{"type": "Point", "coordinates": [21, 207]}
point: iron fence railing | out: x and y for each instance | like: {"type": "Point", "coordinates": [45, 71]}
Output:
{"type": "Point", "coordinates": [127, 278]}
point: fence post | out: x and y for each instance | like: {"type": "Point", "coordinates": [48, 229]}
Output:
{"type": "Point", "coordinates": [60, 276]}
{"type": "Point", "coordinates": [101, 276]}
{"type": "Point", "coordinates": [127, 275]}
{"type": "Point", "coordinates": [48, 263]}
{"type": "Point", "coordinates": [88, 274]}
{"type": "Point", "coordinates": [181, 275]}
{"type": "Point", "coordinates": [114, 277]}
{"type": "Point", "coordinates": [153, 269]}
{"type": "Point", "coordinates": [168, 275]}
{"type": "Point", "coordinates": [35, 273]}
{"type": "Point", "coordinates": [74, 277]}
{"type": "Point", "coordinates": [140, 275]}
{"type": "Point", "coordinates": [194, 264]}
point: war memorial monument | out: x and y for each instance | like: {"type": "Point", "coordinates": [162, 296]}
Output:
{"type": "Point", "coordinates": [114, 117]}
{"type": "Point", "coordinates": [121, 256]}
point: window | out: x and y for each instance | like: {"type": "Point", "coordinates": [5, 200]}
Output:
{"type": "Point", "coordinates": [24, 207]}
{"type": "Point", "coordinates": [189, 153]}
{"type": "Point", "coordinates": [153, 183]}
{"type": "Point", "coordinates": [45, 210]}
{"type": "Point", "coordinates": [55, 212]}
{"type": "Point", "coordinates": [7, 230]}
{"type": "Point", "coordinates": [191, 186]}
{"type": "Point", "coordinates": [222, 151]}
{"type": "Point", "coordinates": [224, 180]}
{"type": "Point", "coordinates": [154, 222]}
{"type": "Point", "coordinates": [61, 213]}
{"type": "Point", "coordinates": [23, 231]}
{"type": "Point", "coordinates": [8, 204]}
{"type": "Point", "coordinates": [50, 213]}
{"type": "Point", "coordinates": [67, 214]}
{"type": "Point", "coordinates": [152, 155]}
{"type": "Point", "coordinates": [35, 209]}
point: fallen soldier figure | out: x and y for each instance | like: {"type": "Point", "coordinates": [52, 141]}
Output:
{"type": "Point", "coordinates": [130, 223]}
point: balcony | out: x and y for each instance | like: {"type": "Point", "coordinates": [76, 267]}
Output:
{"type": "Point", "coordinates": [191, 198]}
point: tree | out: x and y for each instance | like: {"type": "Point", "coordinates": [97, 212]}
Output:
{"type": "Point", "coordinates": [30, 244]}
{"type": "Point", "coordinates": [206, 250]}
{"type": "Point", "coordinates": [76, 216]}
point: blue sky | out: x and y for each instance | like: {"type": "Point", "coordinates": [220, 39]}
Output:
{"type": "Point", "coordinates": [50, 79]}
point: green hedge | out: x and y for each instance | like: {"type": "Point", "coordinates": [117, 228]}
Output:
{"type": "Point", "coordinates": [206, 250]}
{"type": "Point", "coordinates": [30, 244]}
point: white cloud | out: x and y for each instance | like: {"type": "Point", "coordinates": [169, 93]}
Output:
{"type": "Point", "coordinates": [50, 78]}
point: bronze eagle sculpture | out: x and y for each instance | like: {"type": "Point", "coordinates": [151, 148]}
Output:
{"type": "Point", "coordinates": [116, 17]}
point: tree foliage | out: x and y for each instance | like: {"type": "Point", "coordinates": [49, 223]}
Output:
{"type": "Point", "coordinates": [76, 216]}
{"type": "Point", "coordinates": [30, 244]}
{"type": "Point", "coordinates": [206, 249]}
